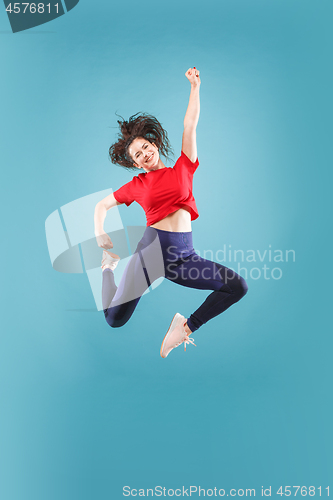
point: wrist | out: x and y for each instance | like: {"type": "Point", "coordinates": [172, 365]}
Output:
{"type": "Point", "coordinates": [99, 232]}
{"type": "Point", "coordinates": [195, 85]}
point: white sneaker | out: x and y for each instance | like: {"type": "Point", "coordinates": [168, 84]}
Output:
{"type": "Point", "coordinates": [175, 336]}
{"type": "Point", "coordinates": [109, 260]}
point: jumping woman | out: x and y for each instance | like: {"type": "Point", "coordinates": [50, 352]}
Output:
{"type": "Point", "coordinates": [166, 248]}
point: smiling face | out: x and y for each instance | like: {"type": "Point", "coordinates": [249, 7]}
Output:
{"type": "Point", "coordinates": [144, 154]}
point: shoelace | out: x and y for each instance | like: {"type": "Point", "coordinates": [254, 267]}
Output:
{"type": "Point", "coordinates": [186, 340]}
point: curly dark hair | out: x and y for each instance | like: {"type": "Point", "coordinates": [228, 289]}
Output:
{"type": "Point", "coordinates": [139, 125]}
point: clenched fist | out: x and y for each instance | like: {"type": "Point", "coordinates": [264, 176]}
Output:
{"type": "Point", "coordinates": [192, 74]}
{"type": "Point", "coordinates": [104, 241]}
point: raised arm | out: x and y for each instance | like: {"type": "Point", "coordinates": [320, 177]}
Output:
{"type": "Point", "coordinates": [103, 239]}
{"type": "Point", "coordinates": [189, 143]}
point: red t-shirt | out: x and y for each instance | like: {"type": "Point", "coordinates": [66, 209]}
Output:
{"type": "Point", "coordinates": [163, 191]}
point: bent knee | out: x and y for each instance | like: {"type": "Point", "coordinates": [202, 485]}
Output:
{"type": "Point", "coordinates": [238, 287]}
{"type": "Point", "coordinates": [113, 320]}
{"type": "Point", "coordinates": [245, 286]}
{"type": "Point", "coordinates": [241, 288]}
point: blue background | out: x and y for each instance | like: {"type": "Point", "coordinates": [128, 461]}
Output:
{"type": "Point", "coordinates": [86, 410]}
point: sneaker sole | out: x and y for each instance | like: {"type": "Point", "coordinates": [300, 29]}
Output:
{"type": "Point", "coordinates": [114, 259]}
{"type": "Point", "coordinates": [174, 319]}
{"type": "Point", "coordinates": [109, 261]}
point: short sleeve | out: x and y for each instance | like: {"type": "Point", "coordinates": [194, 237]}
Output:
{"type": "Point", "coordinates": [125, 194]}
{"type": "Point", "coordinates": [184, 162]}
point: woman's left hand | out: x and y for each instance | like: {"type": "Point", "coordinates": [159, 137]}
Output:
{"type": "Point", "coordinates": [192, 74]}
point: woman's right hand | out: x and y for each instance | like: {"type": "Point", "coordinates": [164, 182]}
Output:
{"type": "Point", "coordinates": [104, 241]}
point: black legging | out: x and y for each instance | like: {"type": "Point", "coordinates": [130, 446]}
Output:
{"type": "Point", "coordinates": [171, 255]}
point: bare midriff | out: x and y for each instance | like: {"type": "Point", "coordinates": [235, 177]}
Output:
{"type": "Point", "coordinates": [177, 222]}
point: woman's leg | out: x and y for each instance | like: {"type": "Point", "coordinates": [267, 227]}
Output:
{"type": "Point", "coordinates": [120, 303]}
{"type": "Point", "coordinates": [143, 268]}
{"type": "Point", "coordinates": [195, 272]}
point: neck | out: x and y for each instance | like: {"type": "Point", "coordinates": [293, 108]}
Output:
{"type": "Point", "coordinates": [159, 165]}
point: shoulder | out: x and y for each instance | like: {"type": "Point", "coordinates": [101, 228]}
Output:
{"type": "Point", "coordinates": [130, 185]}
{"type": "Point", "coordinates": [184, 161]}
{"type": "Point", "coordinates": [128, 192]}
{"type": "Point", "coordinates": [135, 181]}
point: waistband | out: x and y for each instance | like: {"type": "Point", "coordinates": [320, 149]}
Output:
{"type": "Point", "coordinates": [170, 232]}
{"type": "Point", "coordinates": [181, 240]}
